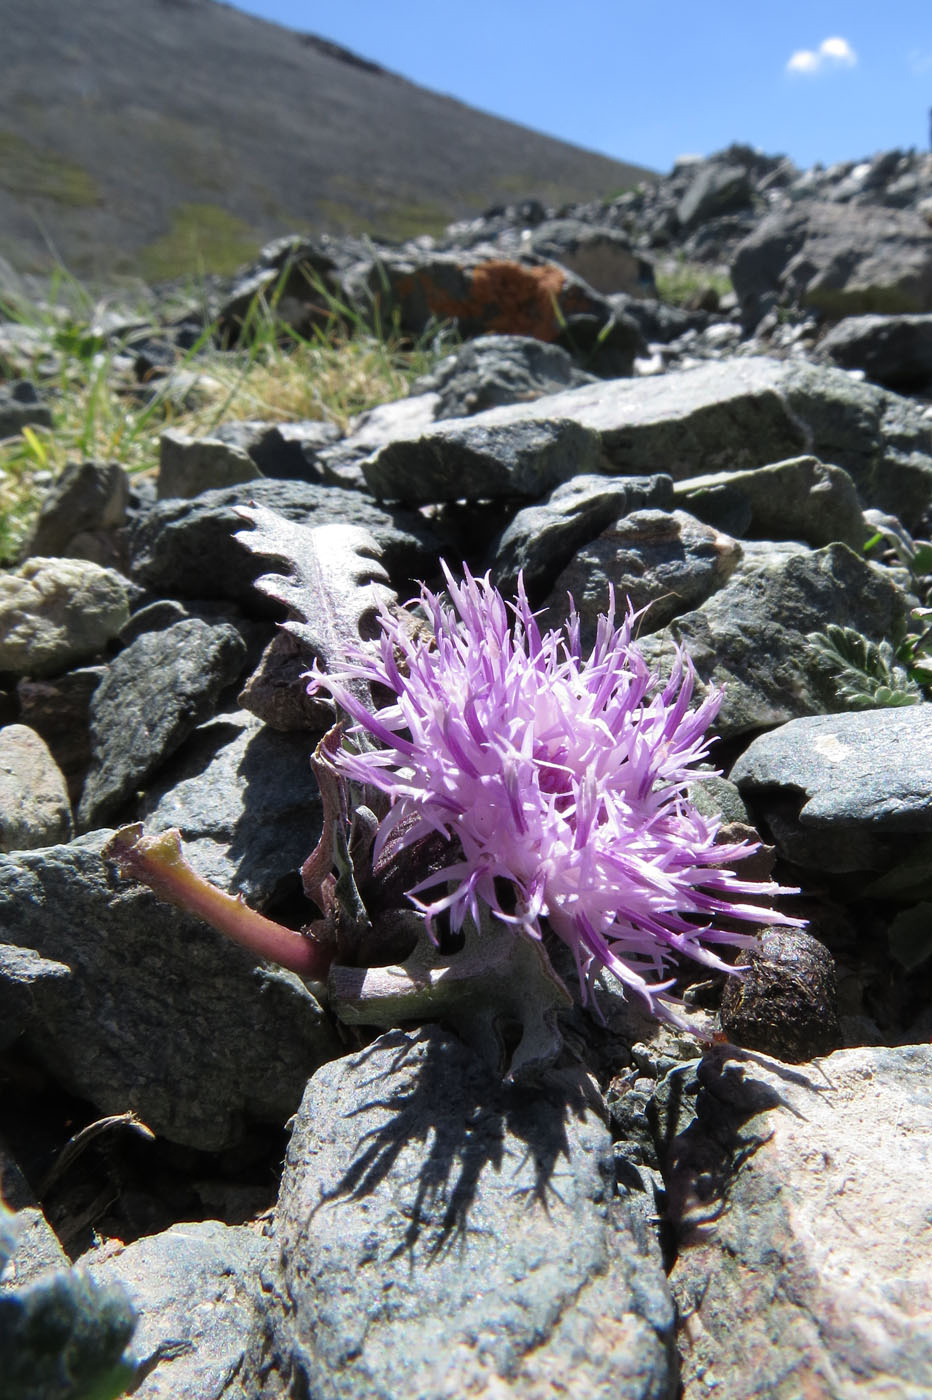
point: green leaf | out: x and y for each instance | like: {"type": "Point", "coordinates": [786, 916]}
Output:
{"type": "Point", "coordinates": [910, 936]}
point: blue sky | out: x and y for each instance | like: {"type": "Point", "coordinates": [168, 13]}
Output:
{"type": "Point", "coordinates": [818, 81]}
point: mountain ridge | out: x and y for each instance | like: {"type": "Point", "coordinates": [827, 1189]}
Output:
{"type": "Point", "coordinates": [140, 137]}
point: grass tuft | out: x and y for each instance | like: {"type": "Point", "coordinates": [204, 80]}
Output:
{"type": "Point", "coordinates": [100, 410]}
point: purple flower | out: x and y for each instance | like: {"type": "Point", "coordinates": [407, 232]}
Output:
{"type": "Point", "coordinates": [559, 780]}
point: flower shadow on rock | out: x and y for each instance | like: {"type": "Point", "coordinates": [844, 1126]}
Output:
{"type": "Point", "coordinates": [464, 1124]}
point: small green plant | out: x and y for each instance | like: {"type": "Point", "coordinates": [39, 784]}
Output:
{"type": "Point", "coordinates": [682, 283]}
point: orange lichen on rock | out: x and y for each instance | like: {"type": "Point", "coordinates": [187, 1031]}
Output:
{"type": "Point", "coordinates": [501, 296]}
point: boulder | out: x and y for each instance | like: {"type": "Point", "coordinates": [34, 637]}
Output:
{"type": "Point", "coordinates": [666, 562]}
{"type": "Point", "coordinates": [541, 539]}
{"type": "Point", "coordinates": [187, 549]}
{"type": "Point", "coordinates": [440, 1233]}
{"type": "Point", "coordinates": [895, 351]}
{"type": "Point", "coordinates": [248, 804]}
{"type": "Point", "coordinates": [844, 792]}
{"type": "Point", "coordinates": [189, 465]}
{"type": "Point", "coordinates": [196, 1294]}
{"type": "Point", "coordinates": [498, 369]}
{"type": "Point", "coordinates": [154, 1012]}
{"type": "Point", "coordinates": [57, 613]}
{"type": "Point", "coordinates": [801, 1201]}
{"type": "Point", "coordinates": [81, 514]}
{"type": "Point", "coordinates": [603, 257]}
{"type": "Point", "coordinates": [463, 460]}
{"type": "Point", "coordinates": [841, 260]}
{"type": "Point", "coordinates": [801, 499]}
{"type": "Point", "coordinates": [752, 634]}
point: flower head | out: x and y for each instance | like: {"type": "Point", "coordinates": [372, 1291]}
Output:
{"type": "Point", "coordinates": [558, 779]}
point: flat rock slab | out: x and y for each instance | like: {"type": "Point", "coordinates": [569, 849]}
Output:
{"type": "Point", "coordinates": [738, 414]}
{"type": "Point", "coordinates": [153, 696]}
{"type": "Point", "coordinates": [195, 1290]}
{"type": "Point", "coordinates": [803, 1199]}
{"type": "Point", "coordinates": [133, 1005]}
{"type": "Point", "coordinates": [860, 777]}
{"type": "Point", "coordinates": [440, 1235]}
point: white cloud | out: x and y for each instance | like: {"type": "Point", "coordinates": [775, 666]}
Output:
{"type": "Point", "coordinates": [831, 53]}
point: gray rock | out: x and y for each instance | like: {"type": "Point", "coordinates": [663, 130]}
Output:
{"type": "Point", "coordinates": [602, 257]}
{"type": "Point", "coordinates": [664, 561]}
{"type": "Point", "coordinates": [542, 538]}
{"type": "Point", "coordinates": [60, 1335]}
{"type": "Point", "coordinates": [714, 190]}
{"type": "Point", "coordinates": [153, 696]}
{"type": "Point", "coordinates": [844, 792]}
{"type": "Point", "coordinates": [751, 635]}
{"type": "Point", "coordinates": [20, 970]}
{"type": "Point", "coordinates": [247, 802]}
{"type": "Point", "coordinates": [20, 407]}
{"type": "Point", "coordinates": [895, 351]}
{"type": "Point", "coordinates": [81, 512]}
{"type": "Point", "coordinates": [286, 451]}
{"type": "Point", "coordinates": [189, 465]}
{"type": "Point", "coordinates": [802, 1201]}
{"type": "Point", "coordinates": [802, 499]}
{"type": "Point", "coordinates": [159, 1014]}
{"type": "Point", "coordinates": [499, 369]}
{"type": "Point", "coordinates": [187, 548]}
{"type": "Point", "coordinates": [743, 413]}
{"type": "Point", "coordinates": [440, 1234]}
{"type": "Point", "coordinates": [463, 460]}
{"type": "Point", "coordinates": [56, 613]}
{"type": "Point", "coordinates": [57, 709]}
{"type": "Point", "coordinates": [34, 806]}
{"type": "Point", "coordinates": [196, 1293]}
{"type": "Point", "coordinates": [31, 1247]}
{"type": "Point", "coordinates": [842, 260]}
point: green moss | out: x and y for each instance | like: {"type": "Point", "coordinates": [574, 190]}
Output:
{"type": "Point", "coordinates": [31, 172]}
{"type": "Point", "coordinates": [202, 237]}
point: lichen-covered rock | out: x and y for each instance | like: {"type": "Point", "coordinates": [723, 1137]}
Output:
{"type": "Point", "coordinates": [56, 613]}
{"type": "Point", "coordinates": [441, 1234]}
{"type": "Point", "coordinates": [752, 634]}
{"type": "Point", "coordinates": [801, 1198]}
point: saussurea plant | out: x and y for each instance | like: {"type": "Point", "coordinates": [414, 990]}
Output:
{"type": "Point", "coordinates": [489, 780]}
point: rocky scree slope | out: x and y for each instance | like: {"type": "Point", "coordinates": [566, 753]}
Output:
{"type": "Point", "coordinates": [651, 1212]}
